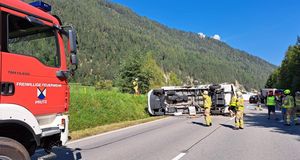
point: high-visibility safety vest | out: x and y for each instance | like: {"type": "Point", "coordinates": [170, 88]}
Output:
{"type": "Point", "coordinates": [207, 101]}
{"type": "Point", "coordinates": [240, 104]}
{"type": "Point", "coordinates": [288, 102]}
{"type": "Point", "coordinates": [271, 101]}
{"type": "Point", "coordinates": [297, 101]}
{"type": "Point", "coordinates": [233, 101]}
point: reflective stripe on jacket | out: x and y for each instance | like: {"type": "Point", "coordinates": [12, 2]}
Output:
{"type": "Point", "coordinates": [271, 101]}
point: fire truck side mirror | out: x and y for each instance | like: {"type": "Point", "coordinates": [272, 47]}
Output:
{"type": "Point", "coordinates": [72, 41]}
{"type": "Point", "coordinates": [74, 59]}
{"type": "Point", "coordinates": [70, 32]}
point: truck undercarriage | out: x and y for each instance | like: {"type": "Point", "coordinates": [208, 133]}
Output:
{"type": "Point", "coordinates": [185, 100]}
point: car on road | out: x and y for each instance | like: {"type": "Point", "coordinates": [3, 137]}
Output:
{"type": "Point", "coordinates": [253, 99]}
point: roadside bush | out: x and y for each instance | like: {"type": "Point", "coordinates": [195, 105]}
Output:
{"type": "Point", "coordinates": [90, 108]}
{"type": "Point", "coordinates": [104, 85]}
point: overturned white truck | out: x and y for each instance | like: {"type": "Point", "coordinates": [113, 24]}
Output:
{"type": "Point", "coordinates": [184, 100]}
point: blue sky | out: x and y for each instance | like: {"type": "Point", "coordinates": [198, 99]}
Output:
{"type": "Point", "coordinates": [264, 28]}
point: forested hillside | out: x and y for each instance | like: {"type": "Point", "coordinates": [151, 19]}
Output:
{"type": "Point", "coordinates": [287, 76]}
{"type": "Point", "coordinates": [110, 34]}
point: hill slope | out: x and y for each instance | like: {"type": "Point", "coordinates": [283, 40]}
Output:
{"type": "Point", "coordinates": [109, 32]}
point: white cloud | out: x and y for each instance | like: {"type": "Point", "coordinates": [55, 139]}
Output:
{"type": "Point", "coordinates": [216, 37]}
{"type": "Point", "coordinates": [201, 35]}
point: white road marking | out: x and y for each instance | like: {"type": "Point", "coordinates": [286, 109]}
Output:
{"type": "Point", "coordinates": [232, 118]}
{"type": "Point", "coordinates": [179, 156]}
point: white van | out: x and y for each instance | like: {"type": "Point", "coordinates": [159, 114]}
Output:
{"type": "Point", "coordinates": [175, 99]}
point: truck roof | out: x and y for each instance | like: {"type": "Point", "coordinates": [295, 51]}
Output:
{"type": "Point", "coordinates": [20, 6]}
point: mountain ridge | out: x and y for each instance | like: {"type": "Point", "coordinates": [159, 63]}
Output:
{"type": "Point", "coordinates": [109, 32]}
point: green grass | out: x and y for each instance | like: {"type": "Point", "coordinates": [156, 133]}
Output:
{"type": "Point", "coordinates": [90, 108]}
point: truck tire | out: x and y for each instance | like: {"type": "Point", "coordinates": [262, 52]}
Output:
{"type": "Point", "coordinates": [12, 150]}
{"type": "Point", "coordinates": [158, 92]}
{"type": "Point", "coordinates": [185, 98]}
{"type": "Point", "coordinates": [214, 86]}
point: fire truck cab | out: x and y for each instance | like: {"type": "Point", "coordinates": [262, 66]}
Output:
{"type": "Point", "coordinates": [35, 95]}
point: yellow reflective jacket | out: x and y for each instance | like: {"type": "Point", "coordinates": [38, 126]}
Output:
{"type": "Point", "coordinates": [288, 102]}
{"type": "Point", "coordinates": [233, 101]}
{"type": "Point", "coordinates": [135, 84]}
{"type": "Point", "coordinates": [207, 101]}
{"type": "Point", "coordinates": [240, 104]}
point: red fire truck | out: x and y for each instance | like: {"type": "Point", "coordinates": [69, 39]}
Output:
{"type": "Point", "coordinates": [35, 95]}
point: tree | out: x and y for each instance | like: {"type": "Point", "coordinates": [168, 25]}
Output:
{"type": "Point", "coordinates": [174, 80]}
{"type": "Point", "coordinates": [130, 70]}
{"type": "Point", "coordinates": [287, 76]}
{"type": "Point", "coordinates": [154, 71]}
{"type": "Point", "coordinates": [272, 81]}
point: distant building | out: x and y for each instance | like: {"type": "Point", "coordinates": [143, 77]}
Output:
{"type": "Point", "coordinates": [201, 35]}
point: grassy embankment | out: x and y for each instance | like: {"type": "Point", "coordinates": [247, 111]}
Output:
{"type": "Point", "coordinates": [97, 111]}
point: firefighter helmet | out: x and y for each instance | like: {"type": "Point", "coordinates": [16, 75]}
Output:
{"type": "Point", "coordinates": [287, 91]}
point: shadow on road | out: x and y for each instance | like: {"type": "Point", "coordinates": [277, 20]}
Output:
{"type": "Point", "coordinates": [259, 119]}
{"type": "Point", "coordinates": [61, 154]}
{"type": "Point", "coordinates": [228, 126]}
{"type": "Point", "coordinates": [199, 123]}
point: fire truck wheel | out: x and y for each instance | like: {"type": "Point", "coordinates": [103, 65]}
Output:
{"type": "Point", "coordinates": [12, 150]}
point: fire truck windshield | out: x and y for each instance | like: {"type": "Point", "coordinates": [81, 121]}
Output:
{"type": "Point", "coordinates": [34, 39]}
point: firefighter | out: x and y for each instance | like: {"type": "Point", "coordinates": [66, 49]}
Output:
{"type": "Point", "coordinates": [271, 104]}
{"type": "Point", "coordinates": [297, 107]}
{"type": "Point", "coordinates": [239, 118]}
{"type": "Point", "coordinates": [207, 106]}
{"type": "Point", "coordinates": [282, 107]}
{"type": "Point", "coordinates": [136, 86]}
{"type": "Point", "coordinates": [232, 106]}
{"type": "Point", "coordinates": [288, 104]}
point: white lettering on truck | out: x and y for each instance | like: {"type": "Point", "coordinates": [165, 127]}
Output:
{"type": "Point", "coordinates": [29, 84]}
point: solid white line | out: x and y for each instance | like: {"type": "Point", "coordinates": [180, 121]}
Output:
{"type": "Point", "coordinates": [114, 131]}
{"type": "Point", "coordinates": [179, 156]}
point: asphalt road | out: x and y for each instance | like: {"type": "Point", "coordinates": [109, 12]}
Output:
{"type": "Point", "coordinates": [186, 138]}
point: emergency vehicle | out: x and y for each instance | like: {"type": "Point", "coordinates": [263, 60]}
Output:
{"type": "Point", "coordinates": [35, 95]}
